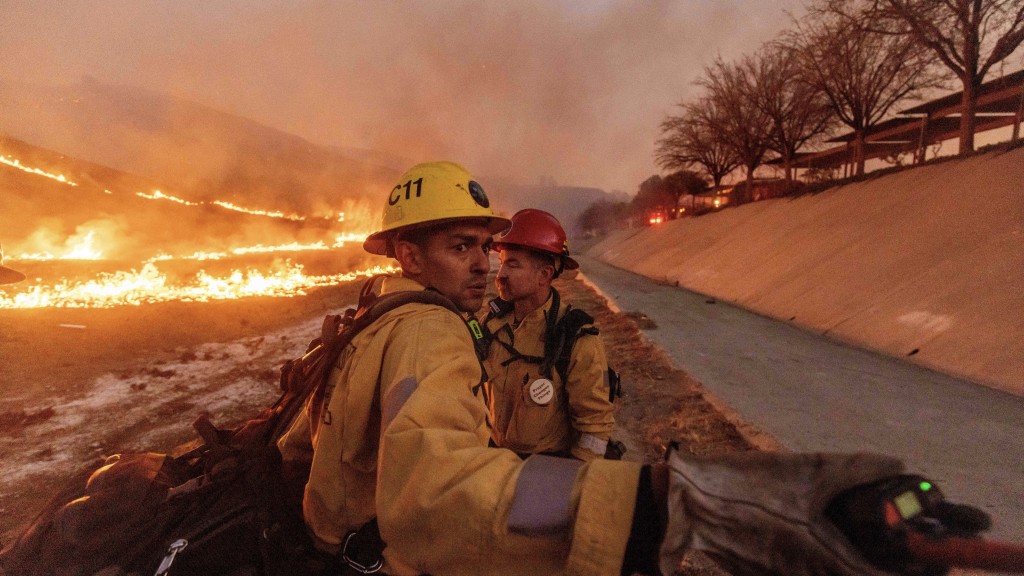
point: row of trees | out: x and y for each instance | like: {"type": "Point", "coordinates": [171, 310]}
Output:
{"type": "Point", "coordinates": [844, 63]}
{"type": "Point", "coordinates": [656, 194]}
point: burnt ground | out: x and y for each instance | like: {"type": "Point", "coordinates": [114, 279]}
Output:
{"type": "Point", "coordinates": [78, 385]}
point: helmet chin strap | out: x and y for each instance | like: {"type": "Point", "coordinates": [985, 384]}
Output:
{"type": "Point", "coordinates": [558, 267]}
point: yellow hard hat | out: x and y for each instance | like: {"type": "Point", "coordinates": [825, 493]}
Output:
{"type": "Point", "coordinates": [430, 193]}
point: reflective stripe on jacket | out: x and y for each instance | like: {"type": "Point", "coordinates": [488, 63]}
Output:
{"type": "Point", "coordinates": [404, 437]}
{"type": "Point", "coordinates": [526, 417]}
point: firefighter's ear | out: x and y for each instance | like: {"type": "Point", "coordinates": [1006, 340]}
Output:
{"type": "Point", "coordinates": [409, 256]}
{"type": "Point", "coordinates": [548, 272]}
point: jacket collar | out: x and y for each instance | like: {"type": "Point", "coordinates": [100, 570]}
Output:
{"type": "Point", "coordinates": [399, 284]}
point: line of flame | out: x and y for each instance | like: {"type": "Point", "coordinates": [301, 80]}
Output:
{"type": "Point", "coordinates": [339, 241]}
{"type": "Point", "coordinates": [15, 163]}
{"type": "Point", "coordinates": [149, 286]}
{"type": "Point", "coordinates": [85, 251]}
{"type": "Point", "coordinates": [272, 214]}
{"type": "Point", "coordinates": [158, 195]}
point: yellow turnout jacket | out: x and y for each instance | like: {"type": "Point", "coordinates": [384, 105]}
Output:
{"type": "Point", "coordinates": [402, 435]}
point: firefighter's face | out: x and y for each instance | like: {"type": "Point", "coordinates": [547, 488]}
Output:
{"type": "Point", "coordinates": [453, 260]}
{"type": "Point", "coordinates": [522, 274]}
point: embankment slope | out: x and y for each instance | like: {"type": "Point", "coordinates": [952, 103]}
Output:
{"type": "Point", "coordinates": [925, 264]}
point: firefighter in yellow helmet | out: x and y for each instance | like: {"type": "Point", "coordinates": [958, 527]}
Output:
{"type": "Point", "coordinates": [399, 454]}
{"type": "Point", "coordinates": [546, 364]}
{"type": "Point", "coordinates": [8, 275]}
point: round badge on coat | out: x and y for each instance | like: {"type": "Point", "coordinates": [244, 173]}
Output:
{"type": "Point", "coordinates": [542, 391]}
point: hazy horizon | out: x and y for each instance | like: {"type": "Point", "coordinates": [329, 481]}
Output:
{"type": "Point", "coordinates": [522, 91]}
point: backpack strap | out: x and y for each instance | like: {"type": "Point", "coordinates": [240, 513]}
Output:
{"type": "Point", "coordinates": [305, 377]}
{"type": "Point", "coordinates": [573, 325]}
{"type": "Point", "coordinates": [362, 550]}
{"type": "Point", "coordinates": [482, 335]}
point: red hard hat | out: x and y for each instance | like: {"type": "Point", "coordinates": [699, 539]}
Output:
{"type": "Point", "coordinates": [540, 231]}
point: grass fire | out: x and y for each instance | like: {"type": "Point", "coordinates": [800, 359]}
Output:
{"type": "Point", "coordinates": [93, 246]}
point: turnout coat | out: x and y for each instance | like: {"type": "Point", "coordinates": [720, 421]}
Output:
{"type": "Point", "coordinates": [539, 413]}
{"type": "Point", "coordinates": [401, 434]}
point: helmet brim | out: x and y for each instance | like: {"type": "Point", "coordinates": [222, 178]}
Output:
{"type": "Point", "coordinates": [377, 243]}
{"type": "Point", "coordinates": [9, 276]}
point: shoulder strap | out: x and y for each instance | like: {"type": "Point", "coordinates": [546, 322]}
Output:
{"type": "Point", "coordinates": [305, 377]}
{"type": "Point", "coordinates": [482, 336]}
{"type": "Point", "coordinates": [574, 324]}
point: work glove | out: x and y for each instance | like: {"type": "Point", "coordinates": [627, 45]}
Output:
{"type": "Point", "coordinates": [760, 513]}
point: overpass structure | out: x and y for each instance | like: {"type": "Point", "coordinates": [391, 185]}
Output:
{"type": "Point", "coordinates": [1000, 103]}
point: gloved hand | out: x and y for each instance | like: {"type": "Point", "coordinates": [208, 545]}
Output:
{"type": "Point", "coordinates": [881, 518]}
{"type": "Point", "coordinates": [762, 513]}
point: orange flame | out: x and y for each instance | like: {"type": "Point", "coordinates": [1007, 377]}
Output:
{"type": "Point", "coordinates": [149, 285]}
{"type": "Point", "coordinates": [15, 163]}
{"type": "Point", "coordinates": [77, 248]}
{"type": "Point", "coordinates": [158, 195]}
{"type": "Point", "coordinates": [272, 214]}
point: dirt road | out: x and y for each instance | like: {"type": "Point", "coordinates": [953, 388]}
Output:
{"type": "Point", "coordinates": [813, 394]}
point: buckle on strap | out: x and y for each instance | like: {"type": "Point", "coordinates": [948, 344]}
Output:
{"type": "Point", "coordinates": [375, 566]}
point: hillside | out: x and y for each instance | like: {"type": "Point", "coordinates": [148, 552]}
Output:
{"type": "Point", "coordinates": [190, 147]}
{"type": "Point", "coordinates": [925, 264]}
{"type": "Point", "coordinates": [205, 154]}
{"type": "Point", "coordinates": [565, 202]}
{"type": "Point", "coordinates": [40, 213]}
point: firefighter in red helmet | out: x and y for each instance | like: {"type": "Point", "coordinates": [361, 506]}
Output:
{"type": "Point", "coordinates": [546, 364]}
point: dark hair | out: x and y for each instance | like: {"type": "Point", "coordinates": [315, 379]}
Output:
{"type": "Point", "coordinates": [418, 235]}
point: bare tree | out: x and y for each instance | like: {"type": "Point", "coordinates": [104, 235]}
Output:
{"type": "Point", "coordinates": [862, 73]}
{"type": "Point", "coordinates": [736, 117]}
{"type": "Point", "coordinates": [968, 36]}
{"type": "Point", "coordinates": [798, 110]}
{"type": "Point", "coordinates": [689, 142]}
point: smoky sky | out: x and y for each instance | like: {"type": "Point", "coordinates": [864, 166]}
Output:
{"type": "Point", "coordinates": [519, 90]}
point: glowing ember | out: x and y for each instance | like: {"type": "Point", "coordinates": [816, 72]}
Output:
{"type": "Point", "coordinates": [149, 285]}
{"type": "Point", "coordinates": [15, 163]}
{"type": "Point", "coordinates": [158, 195]}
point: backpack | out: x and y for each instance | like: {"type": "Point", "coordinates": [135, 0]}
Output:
{"type": "Point", "coordinates": [216, 508]}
